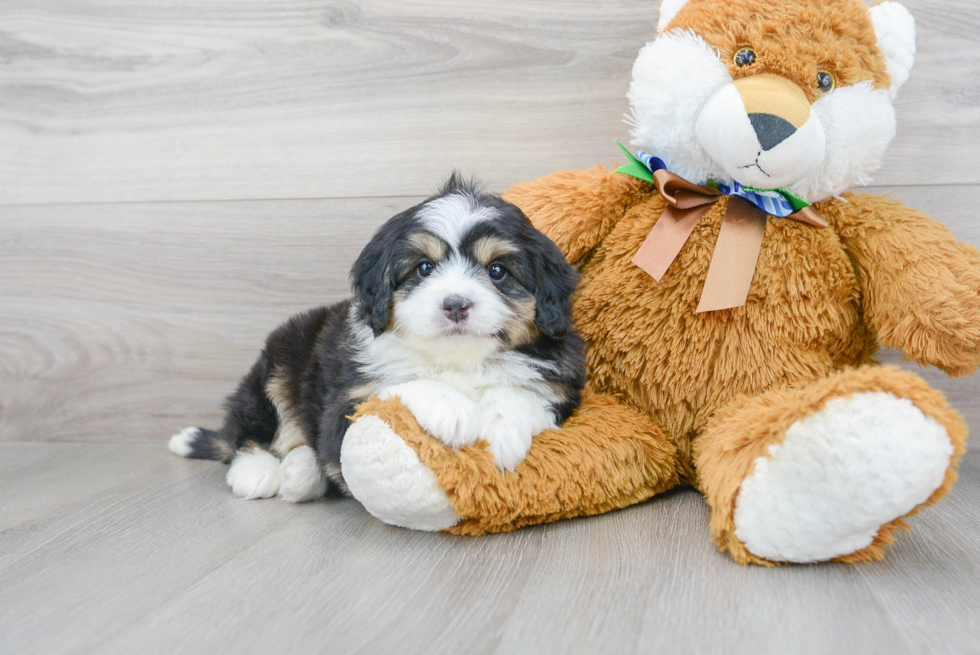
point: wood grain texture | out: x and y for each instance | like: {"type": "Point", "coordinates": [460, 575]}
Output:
{"type": "Point", "coordinates": [129, 321]}
{"type": "Point", "coordinates": [121, 100]}
{"type": "Point", "coordinates": [122, 548]}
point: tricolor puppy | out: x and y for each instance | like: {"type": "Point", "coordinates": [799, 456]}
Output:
{"type": "Point", "coordinates": [461, 309]}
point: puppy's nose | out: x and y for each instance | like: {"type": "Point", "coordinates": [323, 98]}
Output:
{"type": "Point", "coordinates": [456, 308]}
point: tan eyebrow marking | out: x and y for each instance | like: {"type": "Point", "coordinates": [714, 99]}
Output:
{"type": "Point", "coordinates": [486, 249]}
{"type": "Point", "coordinates": [429, 245]}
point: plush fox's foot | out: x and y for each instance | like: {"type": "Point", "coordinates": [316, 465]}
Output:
{"type": "Point", "coordinates": [605, 456]}
{"type": "Point", "coordinates": [838, 476]}
{"type": "Point", "coordinates": [827, 472]}
{"type": "Point", "coordinates": [386, 475]}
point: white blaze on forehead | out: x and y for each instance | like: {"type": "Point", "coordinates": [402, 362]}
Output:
{"type": "Point", "coordinates": [451, 217]}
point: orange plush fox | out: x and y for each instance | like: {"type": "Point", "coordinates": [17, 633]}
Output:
{"type": "Point", "coordinates": [766, 399]}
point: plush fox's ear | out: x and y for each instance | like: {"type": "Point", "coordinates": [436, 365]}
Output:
{"type": "Point", "coordinates": [668, 9]}
{"type": "Point", "coordinates": [895, 32]}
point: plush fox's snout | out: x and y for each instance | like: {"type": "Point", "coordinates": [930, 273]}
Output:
{"type": "Point", "coordinates": [762, 130]}
{"type": "Point", "coordinates": [776, 108]}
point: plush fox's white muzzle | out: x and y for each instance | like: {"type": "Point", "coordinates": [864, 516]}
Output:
{"type": "Point", "coordinates": [762, 131]}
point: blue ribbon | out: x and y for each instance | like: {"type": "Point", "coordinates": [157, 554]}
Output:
{"type": "Point", "coordinates": [776, 202]}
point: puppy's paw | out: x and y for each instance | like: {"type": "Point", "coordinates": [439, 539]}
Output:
{"type": "Point", "coordinates": [509, 436]}
{"type": "Point", "coordinates": [443, 412]}
{"type": "Point", "coordinates": [510, 417]}
{"type": "Point", "coordinates": [300, 476]}
{"type": "Point", "coordinates": [254, 474]}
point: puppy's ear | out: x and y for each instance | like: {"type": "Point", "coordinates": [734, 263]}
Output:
{"type": "Point", "coordinates": [373, 277]}
{"type": "Point", "coordinates": [554, 283]}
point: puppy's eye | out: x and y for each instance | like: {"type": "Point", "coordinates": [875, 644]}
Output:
{"type": "Point", "coordinates": [425, 268]}
{"type": "Point", "coordinates": [825, 83]}
{"type": "Point", "coordinates": [745, 57]}
{"type": "Point", "coordinates": [496, 272]}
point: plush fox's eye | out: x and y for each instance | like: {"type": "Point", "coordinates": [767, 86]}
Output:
{"type": "Point", "coordinates": [825, 82]}
{"type": "Point", "coordinates": [745, 57]}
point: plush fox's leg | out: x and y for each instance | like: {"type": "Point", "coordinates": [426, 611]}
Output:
{"type": "Point", "coordinates": [827, 472]}
{"type": "Point", "coordinates": [605, 457]}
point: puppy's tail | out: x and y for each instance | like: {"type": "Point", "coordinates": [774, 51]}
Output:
{"type": "Point", "coordinates": [200, 443]}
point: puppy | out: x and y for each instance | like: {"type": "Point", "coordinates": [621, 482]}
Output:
{"type": "Point", "coordinates": [461, 309]}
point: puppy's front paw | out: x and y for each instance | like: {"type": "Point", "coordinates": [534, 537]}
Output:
{"type": "Point", "coordinates": [510, 418]}
{"type": "Point", "coordinates": [509, 436]}
{"type": "Point", "coordinates": [443, 412]}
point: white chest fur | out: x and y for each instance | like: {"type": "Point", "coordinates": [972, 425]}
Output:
{"type": "Point", "coordinates": [462, 390]}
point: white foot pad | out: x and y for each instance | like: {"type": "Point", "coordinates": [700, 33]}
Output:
{"type": "Point", "coordinates": [387, 477]}
{"type": "Point", "coordinates": [838, 476]}
{"type": "Point", "coordinates": [254, 474]}
{"type": "Point", "coordinates": [301, 477]}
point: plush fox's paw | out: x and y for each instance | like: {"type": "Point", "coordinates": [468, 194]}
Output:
{"type": "Point", "coordinates": [389, 479]}
{"type": "Point", "coordinates": [839, 475]}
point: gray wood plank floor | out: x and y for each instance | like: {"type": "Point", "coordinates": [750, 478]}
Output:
{"type": "Point", "coordinates": [124, 548]}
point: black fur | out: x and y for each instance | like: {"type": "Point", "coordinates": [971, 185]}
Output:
{"type": "Point", "coordinates": [373, 276]}
{"type": "Point", "coordinates": [313, 355]}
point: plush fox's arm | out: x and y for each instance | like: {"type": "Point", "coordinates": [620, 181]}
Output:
{"type": "Point", "coordinates": [577, 209]}
{"type": "Point", "coordinates": [921, 288]}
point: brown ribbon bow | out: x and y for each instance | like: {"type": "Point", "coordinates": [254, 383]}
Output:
{"type": "Point", "coordinates": [736, 251]}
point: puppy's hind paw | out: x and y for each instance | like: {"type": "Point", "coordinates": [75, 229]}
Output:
{"type": "Point", "coordinates": [254, 474]}
{"type": "Point", "coordinates": [301, 477]}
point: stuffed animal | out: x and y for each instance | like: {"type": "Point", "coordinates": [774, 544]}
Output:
{"type": "Point", "coordinates": [733, 295]}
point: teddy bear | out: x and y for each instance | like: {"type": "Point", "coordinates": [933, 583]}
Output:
{"type": "Point", "coordinates": [733, 294]}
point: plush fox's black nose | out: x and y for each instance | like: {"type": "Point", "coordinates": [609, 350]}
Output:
{"type": "Point", "coordinates": [456, 308]}
{"type": "Point", "coordinates": [771, 130]}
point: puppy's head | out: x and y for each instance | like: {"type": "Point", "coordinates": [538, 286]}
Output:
{"type": "Point", "coordinates": [464, 265]}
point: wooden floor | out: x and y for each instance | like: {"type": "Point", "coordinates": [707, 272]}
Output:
{"type": "Point", "coordinates": [124, 548]}
{"type": "Point", "coordinates": [177, 177]}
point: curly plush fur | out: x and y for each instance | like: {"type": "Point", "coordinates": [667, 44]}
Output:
{"type": "Point", "coordinates": [719, 400]}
